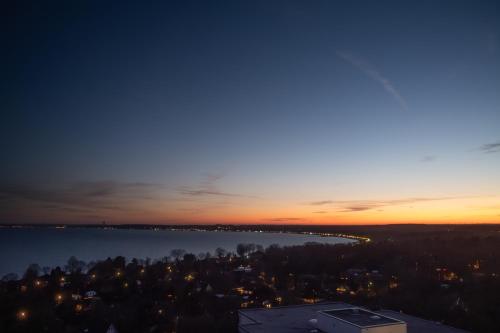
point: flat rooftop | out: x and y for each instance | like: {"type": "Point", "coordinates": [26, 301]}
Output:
{"type": "Point", "coordinates": [361, 318]}
{"type": "Point", "coordinates": [295, 319]}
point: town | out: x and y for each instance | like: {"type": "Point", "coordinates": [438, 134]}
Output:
{"type": "Point", "coordinates": [452, 278]}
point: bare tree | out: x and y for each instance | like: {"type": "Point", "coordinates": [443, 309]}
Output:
{"type": "Point", "coordinates": [220, 252]}
{"type": "Point", "coordinates": [177, 253]}
{"type": "Point", "coordinates": [75, 265]}
{"type": "Point", "coordinates": [10, 277]}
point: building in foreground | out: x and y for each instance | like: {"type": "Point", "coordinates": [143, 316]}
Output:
{"type": "Point", "coordinates": [334, 317]}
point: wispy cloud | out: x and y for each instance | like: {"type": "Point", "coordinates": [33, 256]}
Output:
{"type": "Point", "coordinates": [207, 187]}
{"type": "Point", "coordinates": [320, 203]}
{"type": "Point", "coordinates": [346, 206]}
{"type": "Point", "coordinates": [493, 147]}
{"type": "Point", "coordinates": [374, 74]}
{"type": "Point", "coordinates": [428, 158]}
{"type": "Point", "coordinates": [360, 208]}
{"type": "Point", "coordinates": [320, 212]}
{"type": "Point", "coordinates": [78, 198]}
{"type": "Point", "coordinates": [285, 219]}
{"type": "Point", "coordinates": [195, 192]}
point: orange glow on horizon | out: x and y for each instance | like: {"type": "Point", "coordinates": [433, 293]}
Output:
{"type": "Point", "coordinates": [461, 210]}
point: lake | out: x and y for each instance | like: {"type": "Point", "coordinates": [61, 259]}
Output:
{"type": "Point", "coordinates": [52, 247]}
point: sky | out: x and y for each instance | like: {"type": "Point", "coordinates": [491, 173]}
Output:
{"type": "Point", "coordinates": [303, 112]}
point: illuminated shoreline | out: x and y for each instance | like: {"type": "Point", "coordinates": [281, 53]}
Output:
{"type": "Point", "coordinates": [228, 228]}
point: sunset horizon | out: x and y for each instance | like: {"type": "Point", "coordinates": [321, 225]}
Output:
{"type": "Point", "coordinates": [116, 208]}
{"type": "Point", "coordinates": [250, 166]}
{"type": "Point", "coordinates": [201, 115]}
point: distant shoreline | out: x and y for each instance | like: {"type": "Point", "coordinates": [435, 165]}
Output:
{"type": "Point", "coordinates": [208, 228]}
{"type": "Point", "coordinates": [51, 246]}
{"type": "Point", "coordinates": [361, 233]}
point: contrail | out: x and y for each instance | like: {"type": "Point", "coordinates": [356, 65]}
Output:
{"type": "Point", "coordinates": [375, 75]}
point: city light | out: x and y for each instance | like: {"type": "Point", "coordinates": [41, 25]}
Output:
{"type": "Point", "coordinates": [22, 315]}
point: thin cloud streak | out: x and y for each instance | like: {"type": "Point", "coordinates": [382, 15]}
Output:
{"type": "Point", "coordinates": [79, 197]}
{"type": "Point", "coordinates": [349, 206]}
{"type": "Point", "coordinates": [428, 158]}
{"type": "Point", "coordinates": [493, 147]}
{"type": "Point", "coordinates": [207, 187]}
{"type": "Point", "coordinates": [374, 74]}
{"type": "Point", "coordinates": [321, 203]}
{"type": "Point", "coordinates": [202, 192]}
{"type": "Point", "coordinates": [285, 219]}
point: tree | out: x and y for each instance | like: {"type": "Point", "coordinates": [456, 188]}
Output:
{"type": "Point", "coordinates": [74, 265]}
{"type": "Point", "coordinates": [119, 262]}
{"type": "Point", "coordinates": [10, 277]}
{"type": "Point", "coordinates": [177, 253]}
{"type": "Point", "coordinates": [32, 271]}
{"type": "Point", "coordinates": [243, 249]}
{"type": "Point", "coordinates": [251, 248]}
{"type": "Point", "coordinates": [220, 252]}
{"type": "Point", "coordinates": [189, 259]}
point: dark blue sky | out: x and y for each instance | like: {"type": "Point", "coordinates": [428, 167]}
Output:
{"type": "Point", "coordinates": [247, 110]}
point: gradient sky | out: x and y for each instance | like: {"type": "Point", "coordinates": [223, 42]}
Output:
{"type": "Point", "coordinates": [250, 112]}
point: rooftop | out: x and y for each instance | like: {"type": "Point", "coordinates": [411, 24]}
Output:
{"type": "Point", "coordinates": [360, 317]}
{"type": "Point", "coordinates": [296, 318]}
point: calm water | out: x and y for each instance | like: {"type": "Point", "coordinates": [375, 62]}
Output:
{"type": "Point", "coordinates": [52, 247]}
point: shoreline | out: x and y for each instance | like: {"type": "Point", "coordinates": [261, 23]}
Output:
{"type": "Point", "coordinates": [99, 236]}
{"type": "Point", "coordinates": [228, 228]}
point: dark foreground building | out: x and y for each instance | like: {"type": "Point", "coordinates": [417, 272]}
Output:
{"type": "Point", "coordinates": [334, 317]}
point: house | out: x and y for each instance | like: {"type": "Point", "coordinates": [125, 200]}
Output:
{"type": "Point", "coordinates": [76, 297]}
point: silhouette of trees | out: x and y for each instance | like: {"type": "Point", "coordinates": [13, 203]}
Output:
{"type": "Point", "coordinates": [177, 253]}
{"type": "Point", "coordinates": [447, 277]}
{"type": "Point", "coordinates": [245, 248]}
{"type": "Point", "coordinates": [10, 277]}
{"type": "Point", "coordinates": [32, 272]}
{"type": "Point", "coordinates": [220, 252]}
{"type": "Point", "coordinates": [74, 265]}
